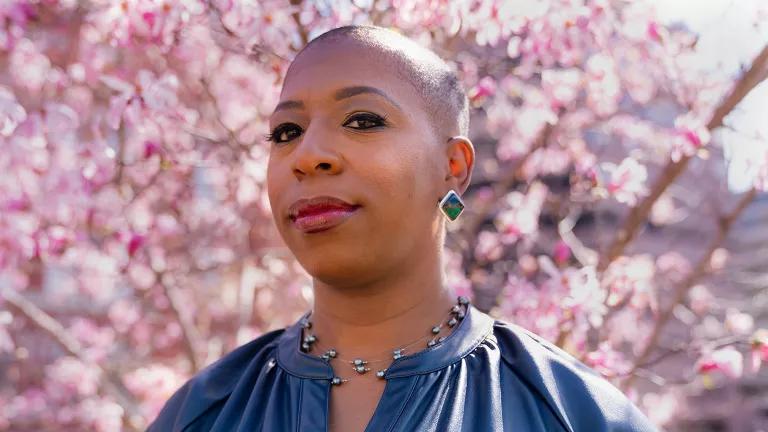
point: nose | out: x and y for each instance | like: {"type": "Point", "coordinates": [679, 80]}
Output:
{"type": "Point", "coordinates": [315, 155]}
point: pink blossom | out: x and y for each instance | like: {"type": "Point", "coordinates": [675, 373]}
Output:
{"type": "Point", "coordinates": [56, 240]}
{"type": "Point", "coordinates": [154, 384]}
{"type": "Point", "coordinates": [607, 360]}
{"type": "Point", "coordinates": [701, 299]}
{"type": "Point", "coordinates": [661, 408]}
{"type": "Point", "coordinates": [603, 85]}
{"type": "Point", "coordinates": [11, 112]}
{"type": "Point", "coordinates": [68, 375]}
{"type": "Point", "coordinates": [561, 253]}
{"type": "Point", "coordinates": [631, 277]}
{"type": "Point", "coordinates": [145, 21]}
{"type": "Point", "coordinates": [522, 216]}
{"type": "Point", "coordinates": [673, 265]}
{"type": "Point", "coordinates": [578, 290]}
{"type": "Point", "coordinates": [100, 414]}
{"type": "Point", "coordinates": [727, 360]}
{"type": "Point", "coordinates": [151, 148]}
{"type": "Point", "coordinates": [624, 182]}
{"type": "Point", "coordinates": [738, 322]}
{"type": "Point", "coordinates": [665, 212]}
{"type": "Point", "coordinates": [6, 343]}
{"type": "Point", "coordinates": [149, 96]}
{"type": "Point", "coordinates": [758, 349]}
{"type": "Point", "coordinates": [488, 248]}
{"type": "Point", "coordinates": [656, 32]}
{"type": "Point", "coordinates": [691, 134]}
{"type": "Point", "coordinates": [29, 66]}
{"type": "Point", "coordinates": [135, 242]}
{"type": "Point", "coordinates": [562, 86]}
{"type": "Point", "coordinates": [482, 91]}
{"type": "Point", "coordinates": [97, 341]}
{"type": "Point", "coordinates": [124, 313]}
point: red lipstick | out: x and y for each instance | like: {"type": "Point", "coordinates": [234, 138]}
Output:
{"type": "Point", "coordinates": [320, 213]}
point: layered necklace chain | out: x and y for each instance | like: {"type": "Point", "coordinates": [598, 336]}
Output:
{"type": "Point", "coordinates": [310, 341]}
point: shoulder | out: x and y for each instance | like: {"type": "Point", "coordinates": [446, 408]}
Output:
{"type": "Point", "coordinates": [581, 398]}
{"type": "Point", "coordinates": [212, 384]}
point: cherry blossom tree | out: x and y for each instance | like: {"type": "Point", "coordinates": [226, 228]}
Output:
{"type": "Point", "coordinates": [136, 241]}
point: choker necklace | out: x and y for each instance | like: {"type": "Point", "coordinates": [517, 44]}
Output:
{"type": "Point", "coordinates": [456, 314]}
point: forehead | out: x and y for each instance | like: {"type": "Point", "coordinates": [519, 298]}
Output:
{"type": "Point", "coordinates": [319, 73]}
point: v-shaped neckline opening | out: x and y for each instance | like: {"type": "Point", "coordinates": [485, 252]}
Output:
{"type": "Point", "coordinates": [380, 406]}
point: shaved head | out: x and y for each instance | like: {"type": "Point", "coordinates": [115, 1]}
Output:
{"type": "Point", "coordinates": [441, 93]}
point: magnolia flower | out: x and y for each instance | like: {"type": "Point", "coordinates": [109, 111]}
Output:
{"type": "Point", "coordinates": [738, 322]}
{"type": "Point", "coordinates": [727, 360]}
{"type": "Point", "coordinates": [691, 134]}
{"type": "Point", "coordinates": [522, 215]}
{"type": "Point", "coordinates": [562, 85]}
{"type": "Point", "coordinates": [11, 112]}
{"type": "Point", "coordinates": [488, 248]}
{"type": "Point", "coordinates": [483, 90]}
{"type": "Point", "coordinates": [150, 93]}
{"type": "Point", "coordinates": [759, 349]}
{"type": "Point", "coordinates": [561, 252]}
{"type": "Point", "coordinates": [625, 182]}
{"type": "Point", "coordinates": [607, 360]}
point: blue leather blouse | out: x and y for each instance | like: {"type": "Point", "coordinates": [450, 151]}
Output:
{"type": "Point", "coordinates": [487, 375]}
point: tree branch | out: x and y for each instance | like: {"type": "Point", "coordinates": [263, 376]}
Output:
{"type": "Point", "coordinates": [701, 268]}
{"type": "Point", "coordinates": [639, 214]}
{"type": "Point", "coordinates": [189, 332]}
{"type": "Point", "coordinates": [112, 382]}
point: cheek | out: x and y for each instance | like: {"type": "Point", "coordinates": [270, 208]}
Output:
{"type": "Point", "coordinates": [275, 184]}
{"type": "Point", "coordinates": [399, 180]}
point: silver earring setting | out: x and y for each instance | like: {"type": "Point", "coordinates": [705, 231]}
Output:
{"type": "Point", "coordinates": [451, 205]}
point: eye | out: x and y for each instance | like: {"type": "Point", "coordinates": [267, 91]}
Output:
{"type": "Point", "coordinates": [283, 133]}
{"type": "Point", "coordinates": [366, 121]}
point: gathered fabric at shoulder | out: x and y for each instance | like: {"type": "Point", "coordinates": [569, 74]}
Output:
{"type": "Point", "coordinates": [487, 376]}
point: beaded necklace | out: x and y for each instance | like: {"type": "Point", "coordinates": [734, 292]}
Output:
{"type": "Point", "coordinates": [456, 314]}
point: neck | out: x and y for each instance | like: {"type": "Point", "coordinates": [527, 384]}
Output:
{"type": "Point", "coordinates": [387, 313]}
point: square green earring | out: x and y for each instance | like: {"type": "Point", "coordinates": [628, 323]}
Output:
{"type": "Point", "coordinates": [451, 205]}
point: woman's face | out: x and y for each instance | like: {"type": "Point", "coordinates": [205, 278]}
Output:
{"type": "Point", "coordinates": [374, 149]}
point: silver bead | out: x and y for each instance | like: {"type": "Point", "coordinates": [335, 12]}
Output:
{"type": "Point", "coordinates": [456, 309]}
{"type": "Point", "coordinates": [431, 343]}
{"type": "Point", "coordinates": [361, 369]}
{"type": "Point", "coordinates": [337, 381]}
{"type": "Point", "coordinates": [436, 329]}
{"type": "Point", "coordinates": [326, 357]}
{"type": "Point", "coordinates": [332, 353]}
{"type": "Point", "coordinates": [440, 339]}
{"type": "Point", "coordinates": [397, 353]}
{"type": "Point", "coordinates": [380, 373]}
{"type": "Point", "coordinates": [306, 324]}
{"type": "Point", "coordinates": [452, 322]}
{"type": "Point", "coordinates": [305, 346]}
{"type": "Point", "coordinates": [463, 300]}
{"type": "Point", "coordinates": [359, 362]}
{"type": "Point", "coordinates": [310, 339]}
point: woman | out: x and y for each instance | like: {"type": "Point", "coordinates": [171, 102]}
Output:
{"type": "Point", "coordinates": [369, 154]}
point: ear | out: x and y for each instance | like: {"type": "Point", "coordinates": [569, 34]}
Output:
{"type": "Point", "coordinates": [461, 161]}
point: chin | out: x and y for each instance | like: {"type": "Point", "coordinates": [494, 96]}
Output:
{"type": "Point", "coordinates": [339, 270]}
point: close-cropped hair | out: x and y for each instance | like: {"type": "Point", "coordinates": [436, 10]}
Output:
{"type": "Point", "coordinates": [441, 92]}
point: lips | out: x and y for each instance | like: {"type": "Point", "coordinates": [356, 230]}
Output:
{"type": "Point", "coordinates": [320, 213]}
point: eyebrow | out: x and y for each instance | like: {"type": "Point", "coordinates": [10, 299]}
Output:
{"type": "Point", "coordinates": [340, 94]}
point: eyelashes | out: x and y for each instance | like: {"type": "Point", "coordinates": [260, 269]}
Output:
{"type": "Point", "coordinates": [292, 130]}
{"type": "Point", "coordinates": [278, 132]}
